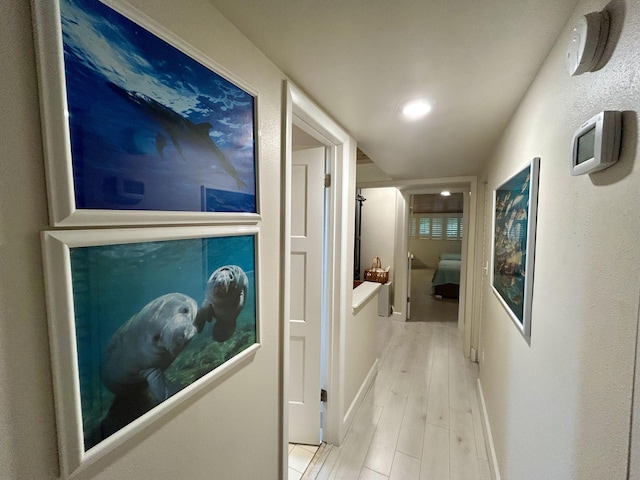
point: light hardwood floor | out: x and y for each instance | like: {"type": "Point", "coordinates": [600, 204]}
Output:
{"type": "Point", "coordinates": [420, 419]}
{"type": "Point", "coordinates": [423, 306]}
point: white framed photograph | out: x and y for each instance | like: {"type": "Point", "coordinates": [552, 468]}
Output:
{"type": "Point", "coordinates": [139, 320]}
{"type": "Point", "coordinates": [515, 204]}
{"type": "Point", "coordinates": [138, 126]}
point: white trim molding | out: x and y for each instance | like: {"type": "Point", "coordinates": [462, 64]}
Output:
{"type": "Point", "coordinates": [488, 437]}
{"type": "Point", "coordinates": [360, 396]}
{"type": "Point", "coordinates": [300, 111]}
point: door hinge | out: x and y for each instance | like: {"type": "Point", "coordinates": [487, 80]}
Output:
{"type": "Point", "coordinates": [327, 180]}
{"type": "Point", "coordinates": [408, 299]}
{"type": "Point", "coordinates": [323, 395]}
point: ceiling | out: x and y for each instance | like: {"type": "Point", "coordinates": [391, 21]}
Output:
{"type": "Point", "coordinates": [360, 59]}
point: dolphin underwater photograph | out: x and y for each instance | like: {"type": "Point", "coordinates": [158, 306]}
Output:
{"type": "Point", "coordinates": [151, 128]}
{"type": "Point", "coordinates": [152, 318]}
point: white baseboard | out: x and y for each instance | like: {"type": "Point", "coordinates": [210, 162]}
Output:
{"type": "Point", "coordinates": [357, 401]}
{"type": "Point", "coordinates": [488, 437]}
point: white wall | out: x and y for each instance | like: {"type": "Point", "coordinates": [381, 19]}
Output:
{"type": "Point", "coordinates": [559, 408]}
{"type": "Point", "coordinates": [209, 435]}
{"type": "Point", "coordinates": [378, 227]}
{"type": "Point", "coordinates": [427, 253]}
{"type": "Point", "coordinates": [361, 331]}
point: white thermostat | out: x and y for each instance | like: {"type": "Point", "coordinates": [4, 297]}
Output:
{"type": "Point", "coordinates": [596, 144]}
{"type": "Point", "coordinates": [588, 39]}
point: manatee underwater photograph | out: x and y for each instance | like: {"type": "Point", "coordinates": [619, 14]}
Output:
{"type": "Point", "coordinates": [150, 127]}
{"type": "Point", "coordinates": [152, 318]}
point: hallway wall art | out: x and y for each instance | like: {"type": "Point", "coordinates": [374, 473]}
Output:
{"type": "Point", "coordinates": [139, 320]}
{"type": "Point", "coordinates": [514, 236]}
{"type": "Point", "coordinates": [139, 127]}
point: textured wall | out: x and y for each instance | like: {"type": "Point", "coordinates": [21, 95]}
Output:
{"type": "Point", "coordinates": [208, 435]}
{"type": "Point", "coordinates": [361, 330]}
{"type": "Point", "coordinates": [378, 227]}
{"type": "Point", "coordinates": [559, 408]}
{"type": "Point", "coordinates": [427, 252]}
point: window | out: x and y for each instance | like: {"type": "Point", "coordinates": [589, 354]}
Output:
{"type": "Point", "coordinates": [434, 226]}
{"type": "Point", "coordinates": [436, 231]}
{"type": "Point", "coordinates": [454, 228]}
{"type": "Point", "coordinates": [425, 226]}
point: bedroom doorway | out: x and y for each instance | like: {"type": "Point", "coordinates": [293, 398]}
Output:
{"type": "Point", "coordinates": [435, 246]}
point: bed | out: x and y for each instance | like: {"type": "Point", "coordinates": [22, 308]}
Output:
{"type": "Point", "coordinates": [446, 278]}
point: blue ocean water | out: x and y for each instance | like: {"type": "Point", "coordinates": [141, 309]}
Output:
{"type": "Point", "coordinates": [150, 126]}
{"type": "Point", "coordinates": [114, 282]}
{"type": "Point", "coordinates": [510, 250]}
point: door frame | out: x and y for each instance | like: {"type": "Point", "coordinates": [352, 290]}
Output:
{"type": "Point", "coordinates": [300, 111]}
{"type": "Point", "coordinates": [407, 194]}
{"type": "Point", "coordinates": [470, 327]}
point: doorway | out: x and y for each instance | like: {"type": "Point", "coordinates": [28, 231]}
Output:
{"type": "Point", "coordinates": [470, 274]}
{"type": "Point", "coordinates": [470, 270]}
{"type": "Point", "coordinates": [435, 233]}
{"type": "Point", "coordinates": [301, 112]}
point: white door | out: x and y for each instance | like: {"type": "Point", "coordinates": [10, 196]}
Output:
{"type": "Point", "coordinates": [409, 269]}
{"type": "Point", "coordinates": [307, 218]}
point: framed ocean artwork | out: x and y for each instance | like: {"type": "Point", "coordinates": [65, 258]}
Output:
{"type": "Point", "coordinates": [138, 126]}
{"type": "Point", "coordinates": [139, 320]}
{"type": "Point", "coordinates": [514, 236]}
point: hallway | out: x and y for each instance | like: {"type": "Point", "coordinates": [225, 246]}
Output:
{"type": "Point", "coordinates": [420, 419]}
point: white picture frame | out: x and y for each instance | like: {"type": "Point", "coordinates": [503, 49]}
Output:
{"type": "Point", "coordinates": [141, 268]}
{"type": "Point", "coordinates": [515, 210]}
{"type": "Point", "coordinates": [164, 158]}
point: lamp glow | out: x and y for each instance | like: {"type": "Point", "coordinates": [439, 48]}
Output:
{"type": "Point", "coordinates": [445, 193]}
{"type": "Point", "coordinates": [415, 109]}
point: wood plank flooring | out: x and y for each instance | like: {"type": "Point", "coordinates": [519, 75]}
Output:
{"type": "Point", "coordinates": [420, 419]}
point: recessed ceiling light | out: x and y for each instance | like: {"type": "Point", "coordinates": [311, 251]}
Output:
{"type": "Point", "coordinates": [414, 109]}
{"type": "Point", "coordinates": [445, 193]}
